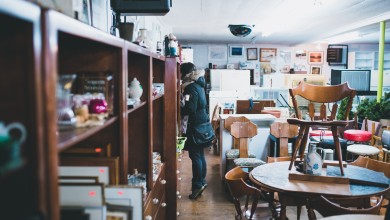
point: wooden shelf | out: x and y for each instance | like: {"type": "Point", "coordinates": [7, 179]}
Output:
{"type": "Point", "coordinates": [158, 96]}
{"type": "Point", "coordinates": [136, 107]}
{"type": "Point", "coordinates": [36, 50]}
{"type": "Point", "coordinates": [69, 138]}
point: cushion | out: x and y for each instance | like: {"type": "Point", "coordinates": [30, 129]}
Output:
{"type": "Point", "coordinates": [362, 149]}
{"type": "Point", "coordinates": [248, 162]}
{"type": "Point", "coordinates": [234, 153]}
{"type": "Point", "coordinates": [357, 135]}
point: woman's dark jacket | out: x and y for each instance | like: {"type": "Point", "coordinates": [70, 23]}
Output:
{"type": "Point", "coordinates": [195, 108]}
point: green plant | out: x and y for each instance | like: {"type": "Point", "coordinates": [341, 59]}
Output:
{"type": "Point", "coordinates": [374, 110]}
{"type": "Point", "coordinates": [342, 108]}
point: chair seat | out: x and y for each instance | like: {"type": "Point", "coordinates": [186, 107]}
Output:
{"type": "Point", "coordinates": [318, 133]}
{"type": "Point", "coordinates": [357, 135]}
{"type": "Point", "coordinates": [362, 149]}
{"type": "Point", "coordinates": [248, 162]}
{"type": "Point", "coordinates": [235, 153]}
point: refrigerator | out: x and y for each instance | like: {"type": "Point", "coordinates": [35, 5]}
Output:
{"type": "Point", "coordinates": [231, 80]}
{"type": "Point", "coordinates": [227, 86]}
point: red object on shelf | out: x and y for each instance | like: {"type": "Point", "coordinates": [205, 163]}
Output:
{"type": "Point", "coordinates": [318, 133]}
{"type": "Point", "coordinates": [357, 135]}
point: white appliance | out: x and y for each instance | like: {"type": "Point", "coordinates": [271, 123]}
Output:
{"type": "Point", "coordinates": [231, 80]}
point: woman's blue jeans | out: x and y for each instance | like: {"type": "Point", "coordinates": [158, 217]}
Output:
{"type": "Point", "coordinates": [199, 167]}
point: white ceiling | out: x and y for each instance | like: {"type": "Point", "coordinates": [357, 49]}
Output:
{"type": "Point", "coordinates": [287, 22]}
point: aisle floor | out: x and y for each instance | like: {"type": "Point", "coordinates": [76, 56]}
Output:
{"type": "Point", "coordinates": [214, 203]}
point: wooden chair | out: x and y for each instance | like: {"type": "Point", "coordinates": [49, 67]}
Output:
{"type": "Point", "coordinates": [282, 133]}
{"type": "Point", "coordinates": [215, 123]}
{"type": "Point", "coordinates": [290, 201]}
{"type": "Point", "coordinates": [330, 207]}
{"type": "Point", "coordinates": [321, 95]}
{"type": "Point", "coordinates": [378, 166]}
{"type": "Point", "coordinates": [236, 180]}
{"type": "Point", "coordinates": [242, 131]}
{"type": "Point", "coordinates": [234, 153]}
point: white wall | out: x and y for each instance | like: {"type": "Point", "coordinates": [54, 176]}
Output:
{"type": "Point", "coordinates": [202, 61]}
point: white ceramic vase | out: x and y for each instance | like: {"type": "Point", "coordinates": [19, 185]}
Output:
{"type": "Point", "coordinates": [135, 90]}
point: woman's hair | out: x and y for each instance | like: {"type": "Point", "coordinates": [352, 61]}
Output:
{"type": "Point", "coordinates": [186, 68]}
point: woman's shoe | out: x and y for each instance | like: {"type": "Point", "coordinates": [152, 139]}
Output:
{"type": "Point", "coordinates": [204, 186]}
{"type": "Point", "coordinates": [196, 193]}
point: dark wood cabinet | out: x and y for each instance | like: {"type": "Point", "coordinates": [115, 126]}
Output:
{"type": "Point", "coordinates": [41, 46]}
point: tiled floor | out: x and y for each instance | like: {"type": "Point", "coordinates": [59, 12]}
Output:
{"type": "Point", "coordinates": [214, 203]}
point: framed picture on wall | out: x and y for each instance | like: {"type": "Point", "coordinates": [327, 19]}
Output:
{"type": "Point", "coordinates": [251, 53]}
{"type": "Point", "coordinates": [236, 51]}
{"type": "Point", "coordinates": [217, 53]}
{"type": "Point", "coordinates": [315, 57]}
{"type": "Point", "coordinates": [316, 70]}
{"type": "Point", "coordinates": [267, 54]}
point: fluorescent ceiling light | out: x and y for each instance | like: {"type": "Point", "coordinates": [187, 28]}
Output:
{"type": "Point", "coordinates": [344, 37]}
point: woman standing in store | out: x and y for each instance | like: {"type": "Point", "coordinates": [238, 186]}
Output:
{"type": "Point", "coordinates": [194, 106]}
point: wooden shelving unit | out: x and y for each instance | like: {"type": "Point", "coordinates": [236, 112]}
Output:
{"type": "Point", "coordinates": [36, 50]}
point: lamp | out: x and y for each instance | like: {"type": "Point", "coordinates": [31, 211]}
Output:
{"type": "Point", "coordinates": [240, 30]}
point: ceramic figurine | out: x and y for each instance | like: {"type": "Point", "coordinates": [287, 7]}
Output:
{"type": "Point", "coordinates": [135, 90]}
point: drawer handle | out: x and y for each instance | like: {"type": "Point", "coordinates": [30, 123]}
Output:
{"type": "Point", "coordinates": [179, 196]}
{"type": "Point", "coordinates": [155, 201]}
{"type": "Point", "coordinates": [177, 213]}
{"type": "Point", "coordinates": [179, 159]}
{"type": "Point", "coordinates": [179, 178]}
{"type": "Point", "coordinates": [177, 171]}
{"type": "Point", "coordinates": [163, 204]}
{"type": "Point", "coordinates": [177, 193]}
{"type": "Point", "coordinates": [148, 217]}
{"type": "Point", "coordinates": [163, 182]}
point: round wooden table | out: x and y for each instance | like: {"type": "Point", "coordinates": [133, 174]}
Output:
{"type": "Point", "coordinates": [275, 177]}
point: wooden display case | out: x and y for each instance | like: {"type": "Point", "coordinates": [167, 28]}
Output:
{"type": "Point", "coordinates": [36, 50]}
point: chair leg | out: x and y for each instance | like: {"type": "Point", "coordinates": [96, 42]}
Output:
{"type": "Point", "coordinates": [297, 145]}
{"type": "Point", "coordinates": [338, 148]}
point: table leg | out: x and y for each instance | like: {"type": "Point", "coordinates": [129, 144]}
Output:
{"type": "Point", "coordinates": [282, 200]}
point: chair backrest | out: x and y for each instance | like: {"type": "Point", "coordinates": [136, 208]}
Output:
{"type": "Point", "coordinates": [386, 138]}
{"type": "Point", "coordinates": [372, 164]}
{"type": "Point", "coordinates": [322, 95]}
{"type": "Point", "coordinates": [235, 180]}
{"type": "Point", "coordinates": [228, 123]}
{"type": "Point", "coordinates": [242, 131]}
{"type": "Point", "coordinates": [327, 207]}
{"type": "Point", "coordinates": [215, 116]}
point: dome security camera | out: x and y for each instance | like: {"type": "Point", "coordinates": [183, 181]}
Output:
{"type": "Point", "coordinates": [240, 30]}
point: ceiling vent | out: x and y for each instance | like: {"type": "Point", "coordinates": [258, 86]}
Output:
{"type": "Point", "coordinates": [240, 30]}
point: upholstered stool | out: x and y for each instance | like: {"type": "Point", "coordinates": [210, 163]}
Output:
{"type": "Point", "coordinates": [248, 162]}
{"type": "Point", "coordinates": [357, 135]}
{"type": "Point", "coordinates": [328, 143]}
{"type": "Point", "coordinates": [235, 153]}
{"type": "Point", "coordinates": [363, 150]}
